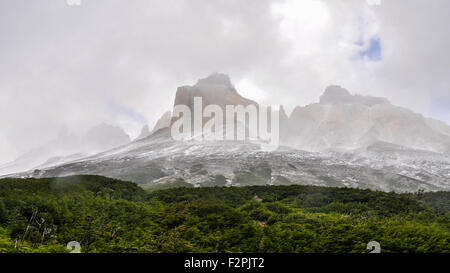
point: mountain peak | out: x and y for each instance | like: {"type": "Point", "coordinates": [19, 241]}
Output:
{"type": "Point", "coordinates": [145, 132]}
{"type": "Point", "coordinates": [214, 89]}
{"type": "Point", "coordinates": [216, 79]}
{"type": "Point", "coordinates": [163, 122]}
{"type": "Point", "coordinates": [337, 89]}
{"type": "Point", "coordinates": [335, 94]}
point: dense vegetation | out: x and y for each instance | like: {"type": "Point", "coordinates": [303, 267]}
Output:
{"type": "Point", "coordinates": [106, 215]}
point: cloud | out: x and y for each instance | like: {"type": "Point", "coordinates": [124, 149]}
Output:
{"type": "Point", "coordinates": [120, 62]}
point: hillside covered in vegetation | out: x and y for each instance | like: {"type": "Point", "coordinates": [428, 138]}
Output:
{"type": "Point", "coordinates": [107, 215]}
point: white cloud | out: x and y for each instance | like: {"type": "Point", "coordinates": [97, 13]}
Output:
{"type": "Point", "coordinates": [61, 65]}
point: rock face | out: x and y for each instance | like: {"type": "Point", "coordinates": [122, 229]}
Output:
{"type": "Point", "coordinates": [345, 123]}
{"type": "Point", "coordinates": [337, 95]}
{"type": "Point", "coordinates": [439, 126]}
{"type": "Point", "coordinates": [215, 89]}
{"type": "Point", "coordinates": [217, 79]}
{"type": "Point", "coordinates": [145, 132]}
{"type": "Point", "coordinates": [163, 122]}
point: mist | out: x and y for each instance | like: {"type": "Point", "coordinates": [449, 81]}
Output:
{"type": "Point", "coordinates": [73, 67]}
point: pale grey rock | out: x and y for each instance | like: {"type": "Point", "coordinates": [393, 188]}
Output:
{"type": "Point", "coordinates": [104, 137]}
{"type": "Point", "coordinates": [163, 122]}
{"type": "Point", "coordinates": [337, 95]}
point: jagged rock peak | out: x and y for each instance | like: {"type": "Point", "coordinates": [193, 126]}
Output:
{"type": "Point", "coordinates": [335, 94]}
{"type": "Point", "coordinates": [163, 122]}
{"type": "Point", "coordinates": [145, 132]}
{"type": "Point", "coordinates": [214, 89]}
{"type": "Point", "coordinates": [216, 79]}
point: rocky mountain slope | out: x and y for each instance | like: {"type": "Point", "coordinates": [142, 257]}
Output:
{"type": "Point", "coordinates": [345, 123]}
{"type": "Point", "coordinates": [343, 141]}
{"type": "Point", "coordinates": [158, 159]}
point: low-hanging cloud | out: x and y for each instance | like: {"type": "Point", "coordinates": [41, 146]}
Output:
{"type": "Point", "coordinates": [120, 62]}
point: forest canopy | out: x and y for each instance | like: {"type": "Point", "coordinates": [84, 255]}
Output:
{"type": "Point", "coordinates": [107, 215]}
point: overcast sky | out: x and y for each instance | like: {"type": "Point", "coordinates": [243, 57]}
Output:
{"type": "Point", "coordinates": [120, 61]}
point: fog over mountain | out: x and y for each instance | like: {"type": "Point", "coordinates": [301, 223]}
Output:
{"type": "Point", "coordinates": [345, 122]}
{"type": "Point", "coordinates": [68, 147]}
{"type": "Point", "coordinates": [215, 89]}
{"type": "Point", "coordinates": [344, 141]}
{"type": "Point", "coordinates": [106, 61]}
